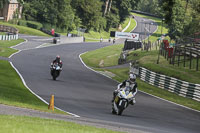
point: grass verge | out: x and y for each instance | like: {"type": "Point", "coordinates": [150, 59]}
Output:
{"type": "Point", "coordinates": [26, 30]}
{"type": "Point", "coordinates": [13, 92]}
{"type": "Point", "coordinates": [19, 124]}
{"type": "Point", "coordinates": [108, 55]}
{"type": "Point", "coordinates": [132, 25]}
{"type": "Point", "coordinates": [125, 23]}
{"type": "Point", "coordinates": [5, 49]}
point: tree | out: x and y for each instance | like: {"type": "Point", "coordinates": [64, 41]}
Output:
{"type": "Point", "coordinates": [2, 3]}
{"type": "Point", "coordinates": [106, 7]}
{"type": "Point", "coordinates": [194, 24]}
{"type": "Point", "coordinates": [124, 7]}
{"type": "Point", "coordinates": [90, 13]}
{"type": "Point", "coordinates": [150, 6]}
{"type": "Point", "coordinates": [182, 17]}
{"type": "Point", "coordinates": [56, 13]}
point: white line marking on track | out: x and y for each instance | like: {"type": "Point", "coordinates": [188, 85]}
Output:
{"type": "Point", "coordinates": [14, 53]}
{"type": "Point", "coordinates": [139, 90]}
{"type": "Point", "coordinates": [19, 44]}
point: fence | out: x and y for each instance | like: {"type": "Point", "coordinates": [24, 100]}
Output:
{"type": "Point", "coordinates": [9, 37]}
{"type": "Point", "coordinates": [174, 85]}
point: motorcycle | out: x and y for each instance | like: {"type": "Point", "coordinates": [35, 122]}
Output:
{"type": "Point", "coordinates": [55, 70]}
{"type": "Point", "coordinates": [113, 41]}
{"type": "Point", "coordinates": [122, 100]}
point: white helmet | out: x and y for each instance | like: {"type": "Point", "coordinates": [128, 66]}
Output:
{"type": "Point", "coordinates": [132, 77]}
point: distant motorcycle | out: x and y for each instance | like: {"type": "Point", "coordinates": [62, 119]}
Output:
{"type": "Point", "coordinates": [113, 41]}
{"type": "Point", "coordinates": [55, 70]}
{"type": "Point", "coordinates": [121, 101]}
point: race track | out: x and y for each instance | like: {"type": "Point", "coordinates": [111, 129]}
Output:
{"type": "Point", "coordinates": [88, 94]}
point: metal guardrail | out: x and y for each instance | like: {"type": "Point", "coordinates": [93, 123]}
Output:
{"type": "Point", "coordinates": [171, 84]}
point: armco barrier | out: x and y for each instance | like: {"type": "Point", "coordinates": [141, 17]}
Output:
{"type": "Point", "coordinates": [171, 84]}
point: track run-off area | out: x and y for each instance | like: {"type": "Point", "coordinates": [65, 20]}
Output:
{"type": "Point", "coordinates": [88, 94]}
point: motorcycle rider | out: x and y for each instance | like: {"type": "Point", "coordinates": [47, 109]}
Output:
{"type": "Point", "coordinates": [57, 60]}
{"type": "Point", "coordinates": [131, 82]}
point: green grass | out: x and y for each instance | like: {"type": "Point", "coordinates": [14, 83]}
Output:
{"type": "Point", "coordinates": [132, 25]}
{"type": "Point", "coordinates": [149, 61]}
{"type": "Point", "coordinates": [125, 23]}
{"type": "Point", "coordinates": [13, 92]}
{"type": "Point", "coordinates": [5, 49]}
{"type": "Point", "coordinates": [96, 35]}
{"type": "Point", "coordinates": [26, 30]}
{"type": "Point", "coordinates": [19, 124]}
{"type": "Point", "coordinates": [108, 54]}
{"type": "Point", "coordinates": [2, 33]}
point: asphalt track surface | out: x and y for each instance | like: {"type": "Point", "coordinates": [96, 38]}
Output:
{"type": "Point", "coordinates": [88, 94]}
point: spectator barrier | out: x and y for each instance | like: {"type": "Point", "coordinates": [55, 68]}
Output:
{"type": "Point", "coordinates": [171, 84]}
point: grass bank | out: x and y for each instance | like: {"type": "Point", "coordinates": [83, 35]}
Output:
{"type": "Point", "coordinates": [26, 30]}
{"type": "Point", "coordinates": [19, 124]}
{"type": "Point", "coordinates": [108, 55]}
{"type": "Point", "coordinates": [132, 25]}
{"type": "Point", "coordinates": [5, 49]}
{"type": "Point", "coordinates": [149, 61]}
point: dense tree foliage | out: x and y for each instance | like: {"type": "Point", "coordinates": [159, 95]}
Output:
{"type": "Point", "coordinates": [2, 3]}
{"type": "Point", "coordinates": [71, 14]}
{"type": "Point", "coordinates": [182, 17]}
{"type": "Point", "coordinates": [150, 6]}
{"type": "Point", "coordinates": [52, 13]}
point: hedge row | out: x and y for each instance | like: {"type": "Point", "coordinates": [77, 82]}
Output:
{"type": "Point", "coordinates": [30, 24]}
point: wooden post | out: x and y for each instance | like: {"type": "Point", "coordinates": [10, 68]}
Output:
{"type": "Point", "coordinates": [197, 63]}
{"type": "Point", "coordinates": [184, 57]}
{"type": "Point", "coordinates": [190, 58]}
{"type": "Point", "coordinates": [179, 57]}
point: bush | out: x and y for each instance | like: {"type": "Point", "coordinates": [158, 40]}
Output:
{"type": "Point", "coordinates": [22, 23]}
{"type": "Point", "coordinates": [34, 25]}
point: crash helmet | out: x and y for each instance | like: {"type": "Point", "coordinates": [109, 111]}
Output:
{"type": "Point", "coordinates": [132, 77]}
{"type": "Point", "coordinates": [58, 58]}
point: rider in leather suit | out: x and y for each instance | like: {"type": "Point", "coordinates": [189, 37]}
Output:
{"type": "Point", "coordinates": [131, 83]}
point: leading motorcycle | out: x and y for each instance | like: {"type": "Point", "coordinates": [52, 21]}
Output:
{"type": "Point", "coordinates": [122, 100]}
{"type": "Point", "coordinates": [55, 70]}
